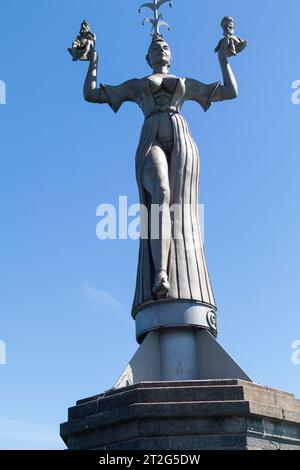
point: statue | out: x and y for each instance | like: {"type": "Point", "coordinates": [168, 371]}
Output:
{"type": "Point", "coordinates": [181, 389]}
{"type": "Point", "coordinates": [233, 43]}
{"type": "Point", "coordinates": [171, 266]}
{"type": "Point", "coordinates": [85, 41]}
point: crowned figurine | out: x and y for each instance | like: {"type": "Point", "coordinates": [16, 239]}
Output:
{"type": "Point", "coordinates": [85, 41]}
{"type": "Point", "coordinates": [231, 42]}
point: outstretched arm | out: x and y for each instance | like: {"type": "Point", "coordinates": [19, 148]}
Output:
{"type": "Point", "coordinates": [229, 90]}
{"type": "Point", "coordinates": [90, 91]}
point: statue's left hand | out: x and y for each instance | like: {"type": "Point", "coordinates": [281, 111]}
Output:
{"type": "Point", "coordinates": [225, 50]}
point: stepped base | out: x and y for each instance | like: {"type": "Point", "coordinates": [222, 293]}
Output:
{"type": "Point", "coordinates": [191, 415]}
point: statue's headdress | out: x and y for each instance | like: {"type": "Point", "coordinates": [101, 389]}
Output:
{"type": "Point", "coordinates": [157, 21]}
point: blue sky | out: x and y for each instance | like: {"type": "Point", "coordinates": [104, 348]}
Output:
{"type": "Point", "coordinates": [65, 296]}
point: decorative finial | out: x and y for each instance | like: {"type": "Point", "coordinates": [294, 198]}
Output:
{"type": "Point", "coordinates": [158, 21]}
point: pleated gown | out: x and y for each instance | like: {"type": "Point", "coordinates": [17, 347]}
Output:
{"type": "Point", "coordinates": [187, 270]}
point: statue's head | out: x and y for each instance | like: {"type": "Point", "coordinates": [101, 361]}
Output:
{"type": "Point", "coordinates": [228, 24]}
{"type": "Point", "coordinates": [159, 52]}
{"type": "Point", "coordinates": [85, 27]}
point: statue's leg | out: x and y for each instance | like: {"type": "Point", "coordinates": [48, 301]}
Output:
{"type": "Point", "coordinates": [156, 183]}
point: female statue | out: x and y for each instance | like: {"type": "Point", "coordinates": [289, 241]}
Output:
{"type": "Point", "coordinates": [167, 171]}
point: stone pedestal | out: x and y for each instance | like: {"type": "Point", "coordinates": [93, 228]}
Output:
{"type": "Point", "coordinates": [190, 415]}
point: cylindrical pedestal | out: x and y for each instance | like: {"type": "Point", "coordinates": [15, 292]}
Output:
{"type": "Point", "coordinates": [177, 324]}
{"type": "Point", "coordinates": [175, 314]}
{"type": "Point", "coordinates": [179, 354]}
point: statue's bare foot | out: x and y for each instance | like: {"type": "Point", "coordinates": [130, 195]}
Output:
{"type": "Point", "coordinates": [161, 285]}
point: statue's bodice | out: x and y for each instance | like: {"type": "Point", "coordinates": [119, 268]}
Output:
{"type": "Point", "coordinates": [165, 83]}
{"type": "Point", "coordinates": [161, 89]}
{"type": "Point", "coordinates": [161, 94]}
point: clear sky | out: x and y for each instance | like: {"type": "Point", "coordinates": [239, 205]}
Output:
{"type": "Point", "coordinates": [65, 296]}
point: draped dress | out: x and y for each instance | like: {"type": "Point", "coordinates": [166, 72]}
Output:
{"type": "Point", "coordinates": [187, 271]}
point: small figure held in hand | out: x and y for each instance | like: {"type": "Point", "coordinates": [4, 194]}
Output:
{"type": "Point", "coordinates": [231, 43]}
{"type": "Point", "coordinates": [84, 43]}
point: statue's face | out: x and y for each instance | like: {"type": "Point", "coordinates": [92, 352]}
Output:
{"type": "Point", "coordinates": [84, 29]}
{"type": "Point", "coordinates": [159, 54]}
{"type": "Point", "coordinates": [229, 26]}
